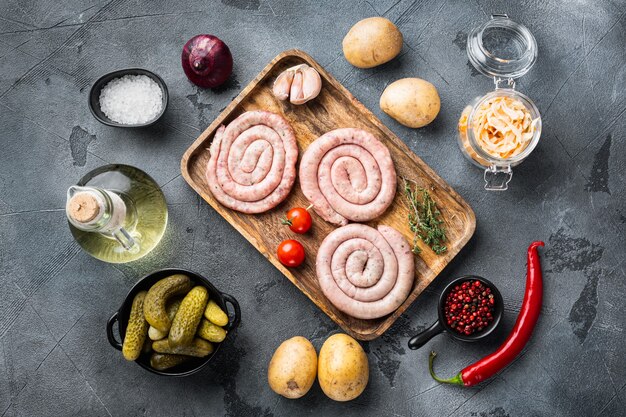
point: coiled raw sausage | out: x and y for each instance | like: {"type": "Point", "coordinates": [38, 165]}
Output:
{"type": "Point", "coordinates": [253, 162]}
{"type": "Point", "coordinates": [347, 174]}
{"type": "Point", "coordinates": [365, 272]}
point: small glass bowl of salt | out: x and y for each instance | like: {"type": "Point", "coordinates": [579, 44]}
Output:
{"type": "Point", "coordinates": [128, 98]}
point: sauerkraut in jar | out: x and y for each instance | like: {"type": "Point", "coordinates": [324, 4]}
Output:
{"type": "Point", "coordinates": [500, 129]}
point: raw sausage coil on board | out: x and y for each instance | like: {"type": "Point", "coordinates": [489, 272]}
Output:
{"type": "Point", "coordinates": [253, 162]}
{"type": "Point", "coordinates": [348, 175]}
{"type": "Point", "coordinates": [365, 272]}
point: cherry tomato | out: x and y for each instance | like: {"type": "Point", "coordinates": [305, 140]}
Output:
{"type": "Point", "coordinates": [298, 219]}
{"type": "Point", "coordinates": [290, 253]}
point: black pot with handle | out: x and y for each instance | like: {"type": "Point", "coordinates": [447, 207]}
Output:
{"type": "Point", "coordinates": [441, 325]}
{"type": "Point", "coordinates": [193, 365]}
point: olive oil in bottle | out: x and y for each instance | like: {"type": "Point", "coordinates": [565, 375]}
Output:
{"type": "Point", "coordinates": [117, 213]}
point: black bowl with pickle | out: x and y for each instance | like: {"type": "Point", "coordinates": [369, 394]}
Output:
{"type": "Point", "coordinates": [148, 357]}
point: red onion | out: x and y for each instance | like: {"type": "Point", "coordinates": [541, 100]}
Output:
{"type": "Point", "coordinates": [207, 61]}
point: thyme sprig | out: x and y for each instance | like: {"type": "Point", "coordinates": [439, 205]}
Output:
{"type": "Point", "coordinates": [424, 219]}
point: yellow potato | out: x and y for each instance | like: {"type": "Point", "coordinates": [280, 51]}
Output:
{"type": "Point", "coordinates": [343, 370]}
{"type": "Point", "coordinates": [411, 101]}
{"type": "Point", "coordinates": [291, 371]}
{"type": "Point", "coordinates": [371, 42]}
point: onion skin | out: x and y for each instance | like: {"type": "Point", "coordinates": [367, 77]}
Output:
{"type": "Point", "coordinates": [207, 61]}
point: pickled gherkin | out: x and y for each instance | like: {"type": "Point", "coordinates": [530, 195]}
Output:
{"type": "Point", "coordinates": [188, 317]}
{"type": "Point", "coordinates": [211, 332]}
{"type": "Point", "coordinates": [172, 308]}
{"type": "Point", "coordinates": [198, 348]}
{"type": "Point", "coordinates": [215, 314]}
{"type": "Point", "coordinates": [136, 330]}
{"type": "Point", "coordinates": [163, 361]}
{"type": "Point", "coordinates": [158, 295]}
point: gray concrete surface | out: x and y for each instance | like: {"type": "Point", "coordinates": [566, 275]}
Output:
{"type": "Point", "coordinates": [55, 299]}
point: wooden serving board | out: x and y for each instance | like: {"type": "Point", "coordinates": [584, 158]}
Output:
{"type": "Point", "coordinates": [334, 108]}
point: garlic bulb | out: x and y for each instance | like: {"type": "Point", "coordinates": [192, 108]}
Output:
{"type": "Point", "coordinates": [299, 84]}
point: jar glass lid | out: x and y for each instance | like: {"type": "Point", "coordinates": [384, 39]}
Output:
{"type": "Point", "coordinates": [502, 48]}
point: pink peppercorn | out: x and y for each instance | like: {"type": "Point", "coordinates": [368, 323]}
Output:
{"type": "Point", "coordinates": [478, 304]}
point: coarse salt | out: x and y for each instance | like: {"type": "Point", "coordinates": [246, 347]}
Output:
{"type": "Point", "coordinates": [131, 99]}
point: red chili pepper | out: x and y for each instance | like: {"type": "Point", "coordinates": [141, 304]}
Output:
{"type": "Point", "coordinates": [519, 336]}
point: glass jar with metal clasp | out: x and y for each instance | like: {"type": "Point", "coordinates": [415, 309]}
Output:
{"type": "Point", "coordinates": [504, 50]}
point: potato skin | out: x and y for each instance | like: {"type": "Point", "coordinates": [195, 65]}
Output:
{"type": "Point", "coordinates": [372, 42]}
{"type": "Point", "coordinates": [343, 370]}
{"type": "Point", "coordinates": [411, 101]}
{"type": "Point", "coordinates": [292, 370]}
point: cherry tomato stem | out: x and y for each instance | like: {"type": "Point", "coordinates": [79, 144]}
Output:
{"type": "Point", "coordinates": [298, 219]}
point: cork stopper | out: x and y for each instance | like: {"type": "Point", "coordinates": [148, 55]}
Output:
{"type": "Point", "coordinates": [83, 207]}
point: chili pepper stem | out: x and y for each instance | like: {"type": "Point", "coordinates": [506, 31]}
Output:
{"type": "Point", "coordinates": [456, 380]}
